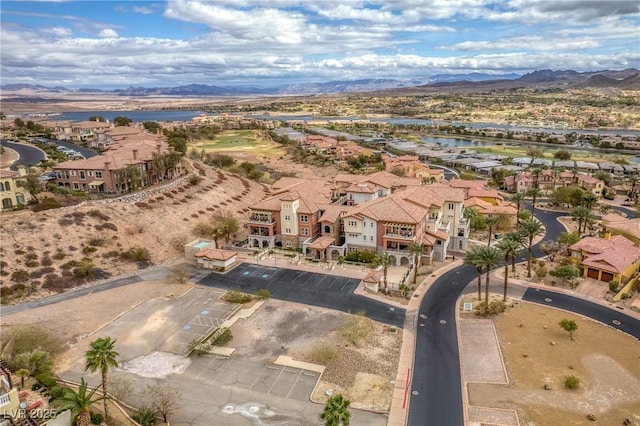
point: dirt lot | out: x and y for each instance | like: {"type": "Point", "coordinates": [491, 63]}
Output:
{"type": "Point", "coordinates": [363, 374]}
{"type": "Point", "coordinates": [606, 362]}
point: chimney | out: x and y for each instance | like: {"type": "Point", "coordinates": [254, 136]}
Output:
{"type": "Point", "coordinates": [135, 154]}
{"type": "Point", "coordinates": [106, 165]}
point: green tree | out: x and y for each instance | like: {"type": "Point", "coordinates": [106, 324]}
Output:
{"type": "Point", "coordinates": [530, 229]}
{"type": "Point", "coordinates": [491, 221]}
{"type": "Point", "coordinates": [473, 258]}
{"type": "Point", "coordinates": [518, 198]}
{"type": "Point", "coordinates": [571, 195]}
{"type": "Point", "coordinates": [84, 269]}
{"type": "Point", "coordinates": [385, 260]}
{"type": "Point", "coordinates": [122, 121]}
{"type": "Point", "coordinates": [583, 216]}
{"type": "Point", "coordinates": [589, 200]}
{"type": "Point", "coordinates": [416, 249]}
{"type": "Point", "coordinates": [18, 123]}
{"type": "Point", "coordinates": [78, 402]}
{"type": "Point", "coordinates": [336, 411]}
{"type": "Point", "coordinates": [31, 184]}
{"type": "Point", "coordinates": [151, 126]}
{"type": "Point", "coordinates": [566, 273]}
{"type": "Point", "coordinates": [519, 239]}
{"type": "Point", "coordinates": [226, 224]}
{"type": "Point", "coordinates": [510, 249]}
{"type": "Point", "coordinates": [97, 118]}
{"type": "Point", "coordinates": [569, 326]}
{"type": "Point", "coordinates": [489, 259]}
{"type": "Point", "coordinates": [562, 155]}
{"type": "Point", "coordinates": [22, 373]}
{"type": "Point", "coordinates": [534, 194]}
{"type": "Point", "coordinates": [569, 238]}
{"type": "Point", "coordinates": [100, 357]}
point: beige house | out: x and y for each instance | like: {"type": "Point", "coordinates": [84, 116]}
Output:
{"type": "Point", "coordinates": [12, 192]}
{"type": "Point", "coordinates": [218, 259]}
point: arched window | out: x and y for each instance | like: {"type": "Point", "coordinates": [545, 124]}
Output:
{"type": "Point", "coordinates": [1, 186]}
{"type": "Point", "coordinates": [7, 186]}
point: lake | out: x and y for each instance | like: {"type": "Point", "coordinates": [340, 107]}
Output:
{"type": "Point", "coordinates": [137, 115]}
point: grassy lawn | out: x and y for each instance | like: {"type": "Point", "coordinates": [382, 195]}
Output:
{"type": "Point", "coordinates": [521, 151]}
{"type": "Point", "coordinates": [245, 141]}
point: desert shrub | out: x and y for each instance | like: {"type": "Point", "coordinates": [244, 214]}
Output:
{"type": "Point", "coordinates": [625, 296]}
{"type": "Point", "coordinates": [46, 380]}
{"type": "Point", "coordinates": [571, 382]}
{"type": "Point", "coordinates": [46, 204]}
{"type": "Point", "coordinates": [199, 347]}
{"type": "Point", "coordinates": [42, 272]}
{"type": "Point", "coordinates": [31, 263]}
{"type": "Point", "coordinates": [56, 283]}
{"type": "Point", "coordinates": [107, 225]}
{"type": "Point", "coordinates": [20, 276]}
{"type": "Point", "coordinates": [323, 353]}
{"type": "Point", "coordinates": [96, 241]}
{"type": "Point", "coordinates": [96, 418]}
{"type": "Point", "coordinates": [194, 180]}
{"type": "Point", "coordinates": [493, 308]}
{"type": "Point", "coordinates": [237, 296]}
{"type": "Point", "coordinates": [263, 294]}
{"type": "Point", "coordinates": [357, 329]}
{"type": "Point", "coordinates": [112, 253]}
{"type": "Point", "coordinates": [72, 248]}
{"type": "Point", "coordinates": [65, 221]}
{"type": "Point", "coordinates": [202, 230]}
{"type": "Point", "coordinates": [613, 286]}
{"type": "Point", "coordinates": [56, 392]}
{"type": "Point", "coordinates": [89, 250]}
{"type": "Point", "coordinates": [98, 215]}
{"type": "Point", "coordinates": [59, 255]}
{"type": "Point", "coordinates": [30, 256]}
{"type": "Point", "coordinates": [70, 264]}
{"type": "Point", "coordinates": [5, 292]}
{"type": "Point", "coordinates": [178, 243]}
{"type": "Point", "coordinates": [145, 416]}
{"type": "Point", "coordinates": [136, 254]}
{"type": "Point", "coordinates": [46, 261]}
{"type": "Point", "coordinates": [223, 337]}
{"type": "Point", "coordinates": [120, 387]}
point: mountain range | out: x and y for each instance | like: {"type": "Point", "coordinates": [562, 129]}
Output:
{"type": "Point", "coordinates": [622, 79]}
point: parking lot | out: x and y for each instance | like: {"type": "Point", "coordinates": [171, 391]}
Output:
{"type": "Point", "coordinates": [285, 382]}
{"type": "Point", "coordinates": [327, 291]}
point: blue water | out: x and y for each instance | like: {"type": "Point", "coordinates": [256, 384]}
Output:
{"type": "Point", "coordinates": [137, 116]}
{"type": "Point", "coordinates": [201, 244]}
{"type": "Point", "coordinates": [451, 142]}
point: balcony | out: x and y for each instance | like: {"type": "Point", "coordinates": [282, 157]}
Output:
{"type": "Point", "coordinates": [267, 220]}
{"type": "Point", "coordinates": [401, 235]}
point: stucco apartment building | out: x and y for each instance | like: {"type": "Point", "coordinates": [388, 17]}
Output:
{"type": "Point", "coordinates": [379, 212]}
{"type": "Point", "coordinates": [79, 131]}
{"type": "Point", "coordinates": [550, 180]}
{"type": "Point", "coordinates": [121, 170]}
{"type": "Point", "coordinates": [12, 192]}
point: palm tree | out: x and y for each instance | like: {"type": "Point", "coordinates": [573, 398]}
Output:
{"type": "Point", "coordinates": [336, 412]}
{"type": "Point", "coordinates": [589, 200]}
{"type": "Point", "coordinates": [101, 356]}
{"type": "Point", "coordinates": [518, 238]}
{"type": "Point", "coordinates": [78, 402]}
{"type": "Point", "coordinates": [510, 249]}
{"type": "Point", "coordinates": [23, 373]}
{"type": "Point", "coordinates": [491, 221]}
{"type": "Point", "coordinates": [473, 259]}
{"type": "Point", "coordinates": [530, 228]}
{"type": "Point", "coordinates": [518, 198]}
{"type": "Point", "coordinates": [489, 258]}
{"type": "Point", "coordinates": [416, 249]}
{"type": "Point", "coordinates": [385, 260]}
{"type": "Point", "coordinates": [583, 215]}
{"type": "Point", "coordinates": [534, 194]}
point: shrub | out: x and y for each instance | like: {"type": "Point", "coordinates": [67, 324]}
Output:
{"type": "Point", "coordinates": [323, 353]}
{"type": "Point", "coordinates": [96, 242]}
{"type": "Point", "coordinates": [46, 380]}
{"type": "Point", "coordinates": [194, 180]}
{"type": "Point", "coordinates": [493, 308]}
{"type": "Point", "coordinates": [571, 382]}
{"type": "Point", "coordinates": [56, 392]}
{"type": "Point", "coordinates": [357, 329]}
{"type": "Point", "coordinates": [223, 337]}
{"type": "Point", "coordinates": [136, 254]}
{"type": "Point", "coordinates": [46, 261]}
{"type": "Point", "coordinates": [20, 276]}
{"type": "Point", "coordinates": [59, 255]}
{"type": "Point", "coordinates": [625, 296]}
{"type": "Point", "coordinates": [145, 416]}
{"type": "Point", "coordinates": [89, 250]}
{"type": "Point", "coordinates": [70, 264]}
{"type": "Point", "coordinates": [96, 418]}
{"type": "Point", "coordinates": [200, 348]}
{"type": "Point", "coordinates": [98, 215]}
{"type": "Point", "coordinates": [46, 204]}
{"type": "Point", "coordinates": [237, 296]}
{"type": "Point", "coordinates": [263, 294]}
{"type": "Point", "coordinates": [5, 292]}
{"type": "Point", "coordinates": [613, 286]}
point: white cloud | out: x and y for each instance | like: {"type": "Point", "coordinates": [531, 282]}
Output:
{"type": "Point", "coordinates": [108, 33]}
{"type": "Point", "coordinates": [533, 42]}
{"type": "Point", "coordinates": [59, 31]}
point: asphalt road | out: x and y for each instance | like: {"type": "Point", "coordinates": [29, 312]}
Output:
{"type": "Point", "coordinates": [29, 155]}
{"type": "Point", "coordinates": [86, 152]}
{"type": "Point", "coordinates": [613, 318]}
{"type": "Point", "coordinates": [436, 370]}
{"type": "Point", "coordinates": [327, 291]}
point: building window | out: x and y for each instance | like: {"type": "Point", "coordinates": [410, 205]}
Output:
{"type": "Point", "coordinates": [450, 206]}
{"type": "Point", "coordinates": [371, 238]}
{"type": "Point", "coordinates": [99, 175]}
{"type": "Point", "coordinates": [371, 224]}
{"type": "Point", "coordinates": [90, 172]}
{"type": "Point", "coordinates": [82, 174]}
{"type": "Point", "coordinates": [304, 218]}
{"type": "Point", "coordinates": [75, 185]}
{"type": "Point", "coordinates": [364, 238]}
{"type": "Point", "coordinates": [288, 244]}
{"type": "Point", "coordinates": [304, 231]}
{"type": "Point", "coordinates": [287, 230]}
{"type": "Point", "coordinates": [287, 218]}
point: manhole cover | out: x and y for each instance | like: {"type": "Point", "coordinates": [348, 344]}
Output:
{"type": "Point", "coordinates": [414, 392]}
{"type": "Point", "coordinates": [616, 322]}
{"type": "Point", "coordinates": [443, 321]}
{"type": "Point", "coordinates": [547, 299]}
{"type": "Point", "coordinates": [455, 283]}
{"type": "Point", "coordinates": [423, 316]}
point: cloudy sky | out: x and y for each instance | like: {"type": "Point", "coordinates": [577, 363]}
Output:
{"type": "Point", "coordinates": [111, 44]}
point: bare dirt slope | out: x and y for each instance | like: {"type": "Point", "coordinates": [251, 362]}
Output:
{"type": "Point", "coordinates": [35, 246]}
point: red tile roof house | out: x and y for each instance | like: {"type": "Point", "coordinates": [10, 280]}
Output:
{"type": "Point", "coordinates": [607, 259]}
{"type": "Point", "coordinates": [213, 258]}
{"type": "Point", "coordinates": [109, 173]}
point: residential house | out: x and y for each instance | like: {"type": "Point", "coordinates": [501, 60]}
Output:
{"type": "Point", "coordinates": [9, 398]}
{"type": "Point", "coordinates": [218, 259]}
{"type": "Point", "coordinates": [79, 131]}
{"type": "Point", "coordinates": [12, 190]}
{"type": "Point", "coordinates": [120, 170]}
{"type": "Point", "coordinates": [613, 258]}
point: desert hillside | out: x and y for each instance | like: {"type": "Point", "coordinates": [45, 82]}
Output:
{"type": "Point", "coordinates": [50, 251]}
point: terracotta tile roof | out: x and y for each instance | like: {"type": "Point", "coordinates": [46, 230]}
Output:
{"type": "Point", "coordinates": [117, 159]}
{"type": "Point", "coordinates": [484, 193]}
{"type": "Point", "coordinates": [313, 195]}
{"type": "Point", "coordinates": [216, 254]}
{"type": "Point", "coordinates": [469, 184]}
{"type": "Point", "coordinates": [441, 235]}
{"type": "Point", "coordinates": [362, 188]}
{"type": "Point", "coordinates": [613, 255]}
{"type": "Point", "coordinates": [332, 213]}
{"type": "Point", "coordinates": [322, 242]}
{"type": "Point", "coordinates": [484, 207]}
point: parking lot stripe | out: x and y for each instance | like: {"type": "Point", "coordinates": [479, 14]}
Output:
{"type": "Point", "coordinates": [294, 383]}
{"type": "Point", "coordinates": [276, 381]}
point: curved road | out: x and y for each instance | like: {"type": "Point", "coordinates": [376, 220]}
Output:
{"type": "Point", "coordinates": [436, 383]}
{"type": "Point", "coordinates": [29, 155]}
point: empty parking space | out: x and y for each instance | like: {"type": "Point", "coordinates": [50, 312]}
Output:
{"type": "Point", "coordinates": [327, 291]}
{"type": "Point", "coordinates": [286, 382]}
